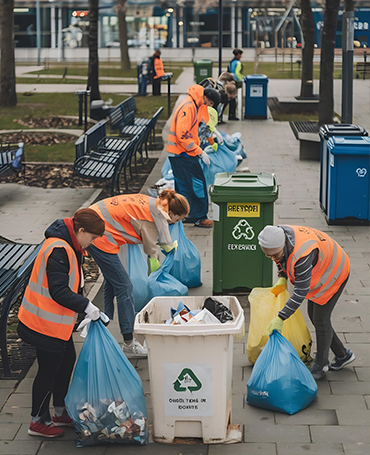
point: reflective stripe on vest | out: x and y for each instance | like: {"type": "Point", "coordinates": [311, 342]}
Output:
{"type": "Point", "coordinates": [39, 311]}
{"type": "Point", "coordinates": [332, 267]}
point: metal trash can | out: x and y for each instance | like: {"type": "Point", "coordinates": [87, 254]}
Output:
{"type": "Point", "coordinates": [348, 180]}
{"type": "Point", "coordinates": [326, 131]}
{"type": "Point", "coordinates": [256, 96]}
{"type": "Point", "coordinates": [190, 370]}
{"type": "Point", "coordinates": [243, 204]}
{"type": "Point", "coordinates": [142, 70]}
{"type": "Point", "coordinates": [202, 69]}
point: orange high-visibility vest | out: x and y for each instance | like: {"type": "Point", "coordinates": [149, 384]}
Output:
{"type": "Point", "coordinates": [183, 136]}
{"type": "Point", "coordinates": [117, 213]}
{"type": "Point", "coordinates": [158, 68]}
{"type": "Point", "coordinates": [332, 267]}
{"type": "Point", "coordinates": [39, 311]}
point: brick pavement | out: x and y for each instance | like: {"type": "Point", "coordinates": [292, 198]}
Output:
{"type": "Point", "coordinates": [337, 422]}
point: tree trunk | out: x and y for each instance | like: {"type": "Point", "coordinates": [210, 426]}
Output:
{"type": "Point", "coordinates": [8, 96]}
{"type": "Point", "coordinates": [308, 29]}
{"type": "Point", "coordinates": [326, 105]}
{"type": "Point", "coordinates": [93, 75]}
{"type": "Point", "coordinates": [122, 30]}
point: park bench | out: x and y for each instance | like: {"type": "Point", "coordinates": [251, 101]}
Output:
{"type": "Point", "coordinates": [11, 159]}
{"type": "Point", "coordinates": [16, 261]}
{"type": "Point", "coordinates": [90, 138]}
{"type": "Point", "coordinates": [363, 68]}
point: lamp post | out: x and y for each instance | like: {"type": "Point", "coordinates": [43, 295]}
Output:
{"type": "Point", "coordinates": [38, 31]}
{"type": "Point", "coordinates": [220, 29]}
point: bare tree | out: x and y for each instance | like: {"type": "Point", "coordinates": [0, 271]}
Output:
{"type": "Point", "coordinates": [326, 105]}
{"type": "Point", "coordinates": [308, 30]}
{"type": "Point", "coordinates": [93, 73]}
{"type": "Point", "coordinates": [8, 96]}
{"type": "Point", "coordinates": [122, 30]}
{"type": "Point", "coordinates": [349, 5]}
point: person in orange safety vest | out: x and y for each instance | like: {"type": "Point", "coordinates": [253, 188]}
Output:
{"type": "Point", "coordinates": [158, 72]}
{"type": "Point", "coordinates": [133, 219]}
{"type": "Point", "coordinates": [48, 313]}
{"type": "Point", "coordinates": [183, 141]}
{"type": "Point", "coordinates": [319, 270]}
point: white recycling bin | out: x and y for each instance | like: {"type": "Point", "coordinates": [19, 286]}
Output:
{"type": "Point", "coordinates": [190, 370]}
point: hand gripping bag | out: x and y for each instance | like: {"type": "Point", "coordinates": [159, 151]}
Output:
{"type": "Point", "coordinates": [137, 268]}
{"type": "Point", "coordinates": [162, 284]}
{"type": "Point", "coordinates": [264, 307]}
{"type": "Point", "coordinates": [280, 381]}
{"type": "Point", "coordinates": [224, 160]}
{"type": "Point", "coordinates": [186, 265]}
{"type": "Point", "coordinates": [106, 400]}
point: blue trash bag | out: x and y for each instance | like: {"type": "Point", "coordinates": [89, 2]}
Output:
{"type": "Point", "coordinates": [224, 160]}
{"type": "Point", "coordinates": [161, 283]}
{"type": "Point", "coordinates": [186, 265]}
{"type": "Point", "coordinates": [280, 381]}
{"type": "Point", "coordinates": [137, 268]}
{"type": "Point", "coordinates": [106, 399]}
{"type": "Point", "coordinates": [234, 144]}
{"type": "Point", "coordinates": [166, 170]}
{"type": "Point", "coordinates": [17, 160]}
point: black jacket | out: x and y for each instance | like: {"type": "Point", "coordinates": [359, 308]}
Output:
{"type": "Point", "coordinates": [57, 270]}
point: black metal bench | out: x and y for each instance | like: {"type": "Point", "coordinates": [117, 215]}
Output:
{"type": "Point", "coordinates": [90, 138]}
{"type": "Point", "coordinates": [363, 68]}
{"type": "Point", "coordinates": [11, 159]}
{"type": "Point", "coordinates": [16, 261]}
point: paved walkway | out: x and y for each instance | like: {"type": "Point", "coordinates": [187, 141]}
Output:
{"type": "Point", "coordinates": [337, 422]}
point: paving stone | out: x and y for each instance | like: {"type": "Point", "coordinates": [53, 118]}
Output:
{"type": "Point", "coordinates": [22, 400]}
{"type": "Point", "coordinates": [4, 395]}
{"type": "Point", "coordinates": [19, 447]}
{"type": "Point", "coordinates": [336, 434]}
{"type": "Point", "coordinates": [303, 449]}
{"type": "Point", "coordinates": [269, 432]}
{"type": "Point", "coordinates": [356, 388]}
{"type": "Point", "coordinates": [363, 337]}
{"type": "Point", "coordinates": [356, 449]}
{"type": "Point", "coordinates": [157, 449]}
{"type": "Point", "coordinates": [56, 446]}
{"type": "Point", "coordinates": [247, 448]}
{"type": "Point", "coordinates": [308, 417]}
{"type": "Point", "coordinates": [348, 417]}
{"type": "Point", "coordinates": [15, 415]}
{"type": "Point", "coordinates": [367, 400]}
{"type": "Point", "coordinates": [22, 435]}
{"type": "Point", "coordinates": [345, 374]}
{"type": "Point", "coordinates": [363, 373]}
{"type": "Point", "coordinates": [25, 386]}
{"type": "Point", "coordinates": [353, 402]}
{"type": "Point", "coordinates": [9, 431]}
{"type": "Point", "coordinates": [7, 383]}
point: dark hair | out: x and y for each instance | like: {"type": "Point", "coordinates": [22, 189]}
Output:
{"type": "Point", "coordinates": [237, 51]}
{"type": "Point", "coordinates": [89, 220]}
{"type": "Point", "coordinates": [177, 203]}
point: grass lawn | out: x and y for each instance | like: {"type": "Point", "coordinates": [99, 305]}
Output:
{"type": "Point", "coordinates": [54, 153]}
{"type": "Point", "coordinates": [44, 105]}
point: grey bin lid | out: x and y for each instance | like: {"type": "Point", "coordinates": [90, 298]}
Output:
{"type": "Point", "coordinates": [341, 129]}
{"type": "Point", "coordinates": [246, 187]}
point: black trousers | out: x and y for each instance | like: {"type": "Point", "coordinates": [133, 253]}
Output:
{"type": "Point", "coordinates": [52, 378]}
{"type": "Point", "coordinates": [157, 86]}
{"type": "Point", "coordinates": [232, 108]}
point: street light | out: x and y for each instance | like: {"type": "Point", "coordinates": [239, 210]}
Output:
{"type": "Point", "coordinates": [220, 30]}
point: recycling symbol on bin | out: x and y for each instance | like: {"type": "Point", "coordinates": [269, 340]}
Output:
{"type": "Point", "coordinates": [187, 380]}
{"type": "Point", "coordinates": [361, 172]}
{"type": "Point", "coordinates": [243, 229]}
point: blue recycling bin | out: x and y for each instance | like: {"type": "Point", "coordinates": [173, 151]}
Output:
{"type": "Point", "coordinates": [348, 180]}
{"type": "Point", "coordinates": [256, 96]}
{"type": "Point", "coordinates": [326, 131]}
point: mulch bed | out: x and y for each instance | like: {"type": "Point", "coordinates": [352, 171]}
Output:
{"type": "Point", "coordinates": [30, 138]}
{"type": "Point", "coordinates": [50, 122]}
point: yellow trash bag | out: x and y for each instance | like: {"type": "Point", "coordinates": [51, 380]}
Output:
{"type": "Point", "coordinates": [264, 308]}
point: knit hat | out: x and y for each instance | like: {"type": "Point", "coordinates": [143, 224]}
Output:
{"type": "Point", "coordinates": [213, 95]}
{"type": "Point", "coordinates": [271, 237]}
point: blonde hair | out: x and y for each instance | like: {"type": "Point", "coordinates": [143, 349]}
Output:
{"type": "Point", "coordinates": [177, 203]}
{"type": "Point", "coordinates": [231, 90]}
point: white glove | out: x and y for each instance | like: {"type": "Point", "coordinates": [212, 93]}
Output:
{"type": "Point", "coordinates": [205, 158]}
{"type": "Point", "coordinates": [92, 312]}
{"type": "Point", "coordinates": [21, 145]}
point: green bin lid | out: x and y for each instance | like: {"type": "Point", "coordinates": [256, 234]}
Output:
{"type": "Point", "coordinates": [203, 62]}
{"type": "Point", "coordinates": [246, 187]}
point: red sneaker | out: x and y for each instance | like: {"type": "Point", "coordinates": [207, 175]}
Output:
{"type": "Point", "coordinates": [47, 431]}
{"type": "Point", "coordinates": [63, 421]}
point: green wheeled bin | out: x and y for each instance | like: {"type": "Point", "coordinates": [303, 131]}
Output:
{"type": "Point", "coordinates": [202, 70]}
{"type": "Point", "coordinates": [243, 204]}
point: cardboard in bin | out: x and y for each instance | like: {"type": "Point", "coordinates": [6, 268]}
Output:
{"type": "Point", "coordinates": [190, 371]}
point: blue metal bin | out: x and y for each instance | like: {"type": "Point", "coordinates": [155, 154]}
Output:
{"type": "Point", "coordinates": [256, 96]}
{"type": "Point", "coordinates": [326, 131]}
{"type": "Point", "coordinates": [348, 180]}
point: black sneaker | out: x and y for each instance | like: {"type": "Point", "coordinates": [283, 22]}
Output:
{"type": "Point", "coordinates": [338, 364]}
{"type": "Point", "coordinates": [319, 372]}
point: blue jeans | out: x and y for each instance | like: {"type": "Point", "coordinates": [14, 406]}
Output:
{"type": "Point", "coordinates": [117, 284]}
